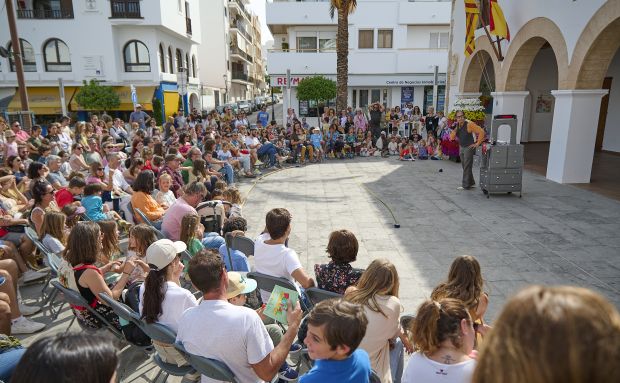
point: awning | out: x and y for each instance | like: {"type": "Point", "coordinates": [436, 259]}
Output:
{"type": "Point", "coordinates": [171, 103]}
{"type": "Point", "coordinates": [144, 93]}
{"type": "Point", "coordinates": [43, 100]}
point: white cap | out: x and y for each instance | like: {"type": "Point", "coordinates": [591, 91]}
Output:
{"type": "Point", "coordinates": [162, 252]}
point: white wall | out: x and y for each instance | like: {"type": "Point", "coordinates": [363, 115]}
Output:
{"type": "Point", "coordinates": [611, 140]}
{"type": "Point", "coordinates": [213, 51]}
{"type": "Point", "coordinates": [418, 36]}
{"type": "Point", "coordinates": [542, 79]}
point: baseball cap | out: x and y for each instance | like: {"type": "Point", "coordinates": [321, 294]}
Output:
{"type": "Point", "coordinates": [138, 106]}
{"type": "Point", "coordinates": [238, 284]}
{"type": "Point", "coordinates": [162, 252]}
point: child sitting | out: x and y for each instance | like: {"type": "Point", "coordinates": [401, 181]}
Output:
{"type": "Point", "coordinates": [164, 196]}
{"type": "Point", "coordinates": [140, 238]}
{"type": "Point", "coordinates": [338, 274]}
{"type": "Point", "coordinates": [351, 139]}
{"type": "Point", "coordinates": [237, 227]}
{"type": "Point", "coordinates": [95, 209]}
{"type": "Point", "coordinates": [422, 151]}
{"type": "Point", "coordinates": [53, 234]}
{"type": "Point", "coordinates": [335, 330]}
{"type": "Point", "coordinates": [316, 138]}
{"type": "Point", "coordinates": [67, 195]}
{"type": "Point", "coordinates": [408, 152]}
{"type": "Point", "coordinates": [192, 232]}
{"type": "Point", "coordinates": [233, 196]}
{"type": "Point", "coordinates": [393, 147]}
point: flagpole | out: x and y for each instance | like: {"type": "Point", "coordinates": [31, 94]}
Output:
{"type": "Point", "coordinates": [495, 50]}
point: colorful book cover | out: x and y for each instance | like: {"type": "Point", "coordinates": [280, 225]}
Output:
{"type": "Point", "coordinates": [278, 301]}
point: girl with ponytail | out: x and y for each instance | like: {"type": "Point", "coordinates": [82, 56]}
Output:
{"type": "Point", "coordinates": [444, 339]}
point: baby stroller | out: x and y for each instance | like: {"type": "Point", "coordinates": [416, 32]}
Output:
{"type": "Point", "coordinates": [212, 215]}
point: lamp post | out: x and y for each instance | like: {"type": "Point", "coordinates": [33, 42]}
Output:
{"type": "Point", "coordinates": [225, 85]}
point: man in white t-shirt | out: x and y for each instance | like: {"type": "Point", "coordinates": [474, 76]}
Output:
{"type": "Point", "coordinates": [234, 335]}
{"type": "Point", "coordinates": [272, 257]}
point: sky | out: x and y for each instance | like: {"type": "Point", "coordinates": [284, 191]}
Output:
{"type": "Point", "coordinates": [258, 7]}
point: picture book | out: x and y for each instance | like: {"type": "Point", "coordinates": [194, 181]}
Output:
{"type": "Point", "coordinates": [277, 304]}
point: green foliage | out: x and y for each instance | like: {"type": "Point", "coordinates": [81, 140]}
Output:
{"type": "Point", "coordinates": [157, 112]}
{"type": "Point", "coordinates": [317, 88]}
{"type": "Point", "coordinates": [95, 97]}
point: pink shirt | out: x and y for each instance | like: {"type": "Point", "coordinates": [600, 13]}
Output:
{"type": "Point", "coordinates": [171, 224]}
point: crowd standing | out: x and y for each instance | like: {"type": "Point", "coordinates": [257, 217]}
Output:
{"type": "Point", "coordinates": [170, 190]}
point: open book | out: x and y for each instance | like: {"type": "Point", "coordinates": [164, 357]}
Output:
{"type": "Point", "coordinates": [278, 301]}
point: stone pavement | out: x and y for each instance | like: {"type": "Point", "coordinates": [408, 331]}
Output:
{"type": "Point", "coordinates": [555, 234]}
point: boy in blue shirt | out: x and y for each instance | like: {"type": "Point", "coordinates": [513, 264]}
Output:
{"type": "Point", "coordinates": [316, 138]}
{"type": "Point", "coordinates": [335, 329]}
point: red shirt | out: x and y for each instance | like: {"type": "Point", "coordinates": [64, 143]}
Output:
{"type": "Point", "coordinates": [63, 197]}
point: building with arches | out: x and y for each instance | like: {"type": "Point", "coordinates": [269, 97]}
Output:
{"type": "Point", "coordinates": [118, 42]}
{"type": "Point", "coordinates": [560, 74]}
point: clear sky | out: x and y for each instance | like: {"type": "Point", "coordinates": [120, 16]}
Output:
{"type": "Point", "coordinates": [258, 7]}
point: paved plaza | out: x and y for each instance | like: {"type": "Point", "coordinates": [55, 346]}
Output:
{"type": "Point", "coordinates": [555, 234]}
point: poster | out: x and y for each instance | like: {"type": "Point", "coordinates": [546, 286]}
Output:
{"type": "Point", "coordinates": [406, 95]}
{"type": "Point", "coordinates": [303, 108]}
{"type": "Point", "coordinates": [544, 103]}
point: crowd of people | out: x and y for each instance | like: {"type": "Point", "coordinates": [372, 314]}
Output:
{"type": "Point", "coordinates": [171, 190]}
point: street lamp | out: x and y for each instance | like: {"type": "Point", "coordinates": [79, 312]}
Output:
{"type": "Point", "coordinates": [226, 85]}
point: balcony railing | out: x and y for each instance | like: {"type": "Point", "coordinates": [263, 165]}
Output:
{"type": "Point", "coordinates": [63, 13]}
{"type": "Point", "coordinates": [188, 25]}
{"type": "Point", "coordinates": [242, 7]}
{"type": "Point", "coordinates": [236, 51]}
{"type": "Point", "coordinates": [237, 24]}
{"type": "Point", "coordinates": [241, 76]}
{"type": "Point", "coordinates": [125, 9]}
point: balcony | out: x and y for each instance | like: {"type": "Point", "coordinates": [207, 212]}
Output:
{"type": "Point", "coordinates": [241, 7]}
{"type": "Point", "coordinates": [240, 26]}
{"type": "Point", "coordinates": [240, 76]}
{"type": "Point", "coordinates": [238, 52]}
{"type": "Point", "coordinates": [284, 13]}
{"type": "Point", "coordinates": [188, 25]}
{"type": "Point", "coordinates": [62, 13]}
{"type": "Point", "coordinates": [125, 9]}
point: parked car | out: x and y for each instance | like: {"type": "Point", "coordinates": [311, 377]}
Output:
{"type": "Point", "coordinates": [232, 105]}
{"type": "Point", "coordinates": [259, 101]}
{"type": "Point", "coordinates": [244, 106]}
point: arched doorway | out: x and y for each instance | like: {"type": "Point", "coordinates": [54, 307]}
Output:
{"type": "Point", "coordinates": [194, 103]}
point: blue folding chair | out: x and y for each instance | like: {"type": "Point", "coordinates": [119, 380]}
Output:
{"type": "Point", "coordinates": [143, 216]}
{"type": "Point", "coordinates": [267, 283]}
{"type": "Point", "coordinates": [316, 295]}
{"type": "Point", "coordinates": [210, 368]}
{"type": "Point", "coordinates": [242, 244]}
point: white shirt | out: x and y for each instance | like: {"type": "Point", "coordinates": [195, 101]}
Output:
{"type": "Point", "coordinates": [117, 179]}
{"type": "Point", "coordinates": [422, 369]}
{"type": "Point", "coordinates": [251, 141]}
{"type": "Point", "coordinates": [53, 244]}
{"type": "Point", "coordinates": [176, 301]}
{"type": "Point", "coordinates": [65, 141]}
{"type": "Point", "coordinates": [274, 260]}
{"type": "Point", "coordinates": [234, 335]}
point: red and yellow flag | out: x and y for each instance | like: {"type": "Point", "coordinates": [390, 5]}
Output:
{"type": "Point", "coordinates": [471, 24]}
{"type": "Point", "coordinates": [497, 22]}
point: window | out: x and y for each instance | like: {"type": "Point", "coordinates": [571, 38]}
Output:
{"type": "Point", "coordinates": [187, 63]}
{"type": "Point", "coordinates": [306, 44]}
{"type": "Point", "coordinates": [384, 38]}
{"type": "Point", "coordinates": [136, 56]}
{"type": "Point", "coordinates": [56, 56]}
{"type": "Point", "coordinates": [170, 62]}
{"type": "Point", "coordinates": [194, 66]}
{"type": "Point", "coordinates": [326, 45]}
{"type": "Point", "coordinates": [180, 5]}
{"type": "Point", "coordinates": [179, 60]}
{"type": "Point", "coordinates": [366, 39]}
{"type": "Point", "coordinates": [438, 40]}
{"type": "Point", "coordinates": [28, 61]}
{"type": "Point", "coordinates": [162, 59]}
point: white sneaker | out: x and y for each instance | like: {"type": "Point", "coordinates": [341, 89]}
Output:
{"type": "Point", "coordinates": [22, 325]}
{"type": "Point", "coordinates": [31, 275]}
{"type": "Point", "coordinates": [460, 188]}
{"type": "Point", "coordinates": [28, 310]}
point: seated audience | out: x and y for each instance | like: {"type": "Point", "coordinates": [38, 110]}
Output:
{"type": "Point", "coordinates": [143, 187]}
{"type": "Point", "coordinates": [338, 274]}
{"type": "Point", "coordinates": [192, 232]}
{"type": "Point", "coordinates": [236, 260]}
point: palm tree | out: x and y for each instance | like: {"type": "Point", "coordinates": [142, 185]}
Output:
{"type": "Point", "coordinates": [344, 8]}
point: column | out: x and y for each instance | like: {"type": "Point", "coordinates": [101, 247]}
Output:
{"type": "Point", "coordinates": [510, 103]}
{"type": "Point", "coordinates": [573, 135]}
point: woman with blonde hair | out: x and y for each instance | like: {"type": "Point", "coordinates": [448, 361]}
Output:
{"type": "Point", "coordinates": [465, 283]}
{"type": "Point", "coordinates": [552, 334]}
{"type": "Point", "coordinates": [444, 337]}
{"type": "Point", "coordinates": [377, 292]}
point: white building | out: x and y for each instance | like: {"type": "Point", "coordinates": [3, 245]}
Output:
{"type": "Point", "coordinates": [118, 42]}
{"type": "Point", "coordinates": [394, 46]}
{"type": "Point", "coordinates": [560, 74]}
{"type": "Point", "coordinates": [228, 57]}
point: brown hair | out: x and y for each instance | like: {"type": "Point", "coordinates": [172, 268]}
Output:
{"type": "Point", "coordinates": [206, 269]}
{"type": "Point", "coordinates": [464, 282]}
{"type": "Point", "coordinates": [232, 195]}
{"type": "Point", "coordinates": [277, 222]}
{"type": "Point", "coordinates": [345, 322]}
{"type": "Point", "coordinates": [437, 321]}
{"type": "Point", "coordinates": [380, 278]}
{"type": "Point", "coordinates": [54, 225]}
{"type": "Point", "coordinates": [199, 168]}
{"type": "Point", "coordinates": [144, 236]}
{"type": "Point", "coordinates": [189, 223]}
{"type": "Point", "coordinates": [552, 334]}
{"type": "Point", "coordinates": [110, 240]}
{"type": "Point", "coordinates": [83, 245]}
{"type": "Point", "coordinates": [342, 246]}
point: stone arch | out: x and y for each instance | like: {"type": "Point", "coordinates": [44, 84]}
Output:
{"type": "Point", "coordinates": [596, 47]}
{"type": "Point", "coordinates": [524, 48]}
{"type": "Point", "coordinates": [472, 68]}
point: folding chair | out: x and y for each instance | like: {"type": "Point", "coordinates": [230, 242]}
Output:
{"type": "Point", "coordinates": [52, 261]}
{"type": "Point", "coordinates": [374, 378]}
{"type": "Point", "coordinates": [125, 313]}
{"type": "Point", "coordinates": [132, 212]}
{"type": "Point", "coordinates": [210, 368]}
{"type": "Point", "coordinates": [316, 295]}
{"type": "Point", "coordinates": [158, 233]}
{"type": "Point", "coordinates": [267, 283]}
{"type": "Point", "coordinates": [74, 298]}
{"type": "Point", "coordinates": [243, 244]}
{"type": "Point", "coordinates": [143, 217]}
{"type": "Point", "coordinates": [164, 334]}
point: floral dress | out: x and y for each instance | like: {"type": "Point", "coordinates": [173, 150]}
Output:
{"type": "Point", "coordinates": [336, 277]}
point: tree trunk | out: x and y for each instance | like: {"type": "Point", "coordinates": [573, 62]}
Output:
{"type": "Point", "coordinates": [342, 59]}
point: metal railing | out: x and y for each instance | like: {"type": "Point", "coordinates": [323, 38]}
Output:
{"type": "Point", "coordinates": [242, 6]}
{"type": "Point", "coordinates": [188, 25]}
{"type": "Point", "coordinates": [236, 51]}
{"type": "Point", "coordinates": [63, 13]}
{"type": "Point", "coordinates": [238, 25]}
{"type": "Point", "coordinates": [240, 76]}
{"type": "Point", "coordinates": [125, 9]}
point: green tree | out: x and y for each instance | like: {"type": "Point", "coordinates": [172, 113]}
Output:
{"type": "Point", "coordinates": [344, 9]}
{"type": "Point", "coordinates": [317, 88]}
{"type": "Point", "coordinates": [95, 97]}
{"type": "Point", "coordinates": [158, 113]}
